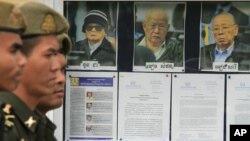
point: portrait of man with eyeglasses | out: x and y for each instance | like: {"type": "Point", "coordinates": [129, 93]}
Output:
{"type": "Point", "coordinates": [157, 44]}
{"type": "Point", "coordinates": [226, 48]}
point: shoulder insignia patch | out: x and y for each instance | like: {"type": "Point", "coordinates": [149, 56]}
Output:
{"type": "Point", "coordinates": [7, 115]}
{"type": "Point", "coordinates": [9, 120]}
{"type": "Point", "coordinates": [7, 108]}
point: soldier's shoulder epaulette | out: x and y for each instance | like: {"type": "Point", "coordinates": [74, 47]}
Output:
{"type": "Point", "coordinates": [6, 115]}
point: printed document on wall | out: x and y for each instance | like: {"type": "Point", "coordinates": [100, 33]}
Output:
{"type": "Point", "coordinates": [238, 100]}
{"type": "Point", "coordinates": [144, 106]}
{"type": "Point", "coordinates": [197, 107]}
{"type": "Point", "coordinates": [91, 106]}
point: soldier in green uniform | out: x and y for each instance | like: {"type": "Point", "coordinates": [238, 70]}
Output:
{"type": "Point", "coordinates": [55, 100]}
{"type": "Point", "coordinates": [39, 74]}
{"type": "Point", "coordinates": [10, 28]}
{"type": "Point", "coordinates": [12, 60]}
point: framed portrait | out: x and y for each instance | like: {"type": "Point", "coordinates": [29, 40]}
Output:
{"type": "Point", "coordinates": [224, 36]}
{"type": "Point", "coordinates": [159, 35]}
{"type": "Point", "coordinates": [93, 31]}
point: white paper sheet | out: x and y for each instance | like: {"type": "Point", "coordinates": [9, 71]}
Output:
{"type": "Point", "coordinates": [197, 107]}
{"type": "Point", "coordinates": [93, 118]}
{"type": "Point", "coordinates": [238, 100]}
{"type": "Point", "coordinates": [144, 106]}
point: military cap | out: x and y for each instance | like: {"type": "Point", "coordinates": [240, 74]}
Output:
{"type": "Point", "coordinates": [40, 19]}
{"type": "Point", "coordinates": [10, 18]}
{"type": "Point", "coordinates": [65, 43]}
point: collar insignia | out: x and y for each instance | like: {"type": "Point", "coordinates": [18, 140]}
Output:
{"type": "Point", "coordinates": [30, 121]}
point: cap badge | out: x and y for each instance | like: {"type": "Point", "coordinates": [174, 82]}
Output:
{"type": "Point", "coordinates": [49, 24]}
{"type": "Point", "coordinates": [15, 18]}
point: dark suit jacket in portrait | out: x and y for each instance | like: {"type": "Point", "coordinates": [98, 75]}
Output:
{"type": "Point", "coordinates": [143, 55]}
{"type": "Point", "coordinates": [104, 54]}
{"type": "Point", "coordinates": [173, 52]}
{"type": "Point", "coordinates": [240, 55]}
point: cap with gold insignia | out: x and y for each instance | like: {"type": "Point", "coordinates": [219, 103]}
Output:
{"type": "Point", "coordinates": [10, 18]}
{"type": "Point", "coordinates": [65, 43]}
{"type": "Point", "coordinates": [40, 19]}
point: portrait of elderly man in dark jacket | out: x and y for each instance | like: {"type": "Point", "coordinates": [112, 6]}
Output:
{"type": "Point", "coordinates": [96, 46]}
{"type": "Point", "coordinates": [165, 49]}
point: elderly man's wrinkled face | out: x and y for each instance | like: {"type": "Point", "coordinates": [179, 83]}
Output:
{"type": "Point", "coordinates": [225, 30]}
{"type": "Point", "coordinates": [156, 28]}
{"type": "Point", "coordinates": [95, 32]}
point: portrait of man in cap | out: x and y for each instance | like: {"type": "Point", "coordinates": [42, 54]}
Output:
{"type": "Point", "coordinates": [98, 43]}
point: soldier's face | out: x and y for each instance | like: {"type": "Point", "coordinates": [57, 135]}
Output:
{"type": "Point", "coordinates": [39, 74]}
{"type": "Point", "coordinates": [94, 32]}
{"type": "Point", "coordinates": [12, 60]}
{"type": "Point", "coordinates": [56, 99]}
